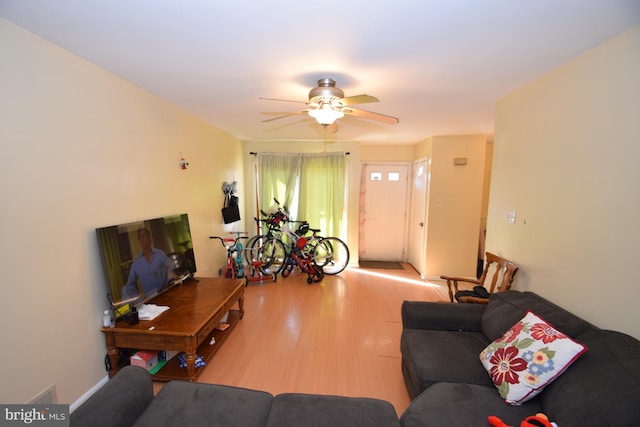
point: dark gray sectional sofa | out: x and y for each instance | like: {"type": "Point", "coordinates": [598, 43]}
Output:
{"type": "Point", "coordinates": [440, 348]}
{"type": "Point", "coordinates": [127, 400]}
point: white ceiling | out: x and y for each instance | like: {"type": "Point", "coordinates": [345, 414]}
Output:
{"type": "Point", "coordinates": [437, 65]}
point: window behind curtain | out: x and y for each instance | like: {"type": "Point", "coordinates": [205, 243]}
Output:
{"type": "Point", "coordinates": [322, 191]}
{"type": "Point", "coordinates": [277, 178]}
{"type": "Point", "coordinates": [312, 186]}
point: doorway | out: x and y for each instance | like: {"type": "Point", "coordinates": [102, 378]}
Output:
{"type": "Point", "coordinates": [384, 212]}
{"type": "Point", "coordinates": [418, 222]}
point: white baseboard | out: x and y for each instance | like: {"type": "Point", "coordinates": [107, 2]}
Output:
{"type": "Point", "coordinates": [88, 394]}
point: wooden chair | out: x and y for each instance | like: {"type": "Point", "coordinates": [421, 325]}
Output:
{"type": "Point", "coordinates": [497, 276]}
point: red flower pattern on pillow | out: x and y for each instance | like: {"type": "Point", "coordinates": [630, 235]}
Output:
{"type": "Point", "coordinates": [506, 364]}
{"type": "Point", "coordinates": [530, 355]}
{"type": "Point", "coordinates": [512, 333]}
{"type": "Point", "coordinates": [544, 332]}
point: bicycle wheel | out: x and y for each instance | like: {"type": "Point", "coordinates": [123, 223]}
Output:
{"type": "Point", "coordinates": [288, 267]}
{"type": "Point", "coordinates": [271, 255]}
{"type": "Point", "coordinates": [316, 273]}
{"type": "Point", "coordinates": [332, 254]}
{"type": "Point", "coordinates": [249, 252]}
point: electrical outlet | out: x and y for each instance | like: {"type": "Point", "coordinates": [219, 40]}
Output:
{"type": "Point", "coordinates": [511, 217]}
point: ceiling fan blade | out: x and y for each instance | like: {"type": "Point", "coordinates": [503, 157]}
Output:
{"type": "Point", "coordinates": [370, 115]}
{"type": "Point", "coordinates": [283, 100]}
{"type": "Point", "coordinates": [359, 99]}
{"type": "Point", "coordinates": [286, 115]}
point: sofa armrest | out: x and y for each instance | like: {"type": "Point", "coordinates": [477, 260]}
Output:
{"type": "Point", "coordinates": [119, 402]}
{"type": "Point", "coordinates": [442, 316]}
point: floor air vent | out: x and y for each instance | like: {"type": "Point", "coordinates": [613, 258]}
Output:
{"type": "Point", "coordinates": [46, 397]}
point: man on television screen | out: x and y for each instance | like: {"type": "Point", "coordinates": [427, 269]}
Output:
{"type": "Point", "coordinates": [153, 269]}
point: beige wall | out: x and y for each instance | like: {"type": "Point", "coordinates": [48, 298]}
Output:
{"type": "Point", "coordinates": [566, 158]}
{"type": "Point", "coordinates": [454, 203]}
{"type": "Point", "coordinates": [486, 185]}
{"type": "Point", "coordinates": [387, 153]}
{"type": "Point", "coordinates": [83, 149]}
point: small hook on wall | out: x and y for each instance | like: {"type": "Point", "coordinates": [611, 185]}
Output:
{"type": "Point", "coordinates": [183, 162]}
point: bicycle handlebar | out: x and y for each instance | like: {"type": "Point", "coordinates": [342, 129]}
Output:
{"type": "Point", "coordinates": [228, 239]}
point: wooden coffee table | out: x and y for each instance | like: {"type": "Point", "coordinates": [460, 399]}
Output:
{"type": "Point", "coordinates": [196, 309]}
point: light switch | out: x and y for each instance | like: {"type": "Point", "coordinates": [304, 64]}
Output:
{"type": "Point", "coordinates": [511, 217]}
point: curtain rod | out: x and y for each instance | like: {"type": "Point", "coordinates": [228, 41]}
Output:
{"type": "Point", "coordinates": [253, 153]}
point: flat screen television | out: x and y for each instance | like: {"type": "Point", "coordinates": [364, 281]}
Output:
{"type": "Point", "coordinates": [142, 259]}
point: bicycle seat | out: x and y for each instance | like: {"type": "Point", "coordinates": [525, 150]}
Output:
{"type": "Point", "coordinates": [303, 229]}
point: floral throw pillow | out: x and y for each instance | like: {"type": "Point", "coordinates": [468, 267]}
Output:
{"type": "Point", "coordinates": [527, 357]}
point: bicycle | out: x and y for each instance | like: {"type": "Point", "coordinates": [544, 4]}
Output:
{"type": "Point", "coordinates": [268, 249]}
{"type": "Point", "coordinates": [304, 261]}
{"type": "Point", "coordinates": [276, 224]}
{"type": "Point", "coordinates": [234, 267]}
{"type": "Point", "coordinates": [302, 230]}
{"type": "Point", "coordinates": [330, 253]}
{"type": "Point", "coordinates": [292, 243]}
{"type": "Point", "coordinates": [279, 243]}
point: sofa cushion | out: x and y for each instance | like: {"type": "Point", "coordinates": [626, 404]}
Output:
{"type": "Point", "coordinates": [294, 410]}
{"type": "Point", "coordinates": [507, 308]}
{"type": "Point", "coordinates": [119, 402]}
{"type": "Point", "coordinates": [602, 388]}
{"type": "Point", "coordinates": [451, 404]}
{"type": "Point", "coordinates": [182, 403]}
{"type": "Point", "coordinates": [433, 356]}
{"type": "Point", "coordinates": [527, 357]}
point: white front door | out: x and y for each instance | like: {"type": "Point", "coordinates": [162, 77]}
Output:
{"type": "Point", "coordinates": [383, 231]}
{"type": "Point", "coordinates": [418, 222]}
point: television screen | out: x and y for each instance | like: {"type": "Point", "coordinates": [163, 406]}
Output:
{"type": "Point", "coordinates": [142, 259]}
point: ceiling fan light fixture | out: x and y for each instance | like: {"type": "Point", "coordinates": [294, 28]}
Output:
{"type": "Point", "coordinates": [326, 90]}
{"type": "Point", "coordinates": [325, 114]}
{"type": "Point", "coordinates": [327, 104]}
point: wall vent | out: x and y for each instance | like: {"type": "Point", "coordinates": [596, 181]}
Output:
{"type": "Point", "coordinates": [47, 397]}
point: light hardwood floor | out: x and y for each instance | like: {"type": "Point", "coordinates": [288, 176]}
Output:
{"type": "Point", "coordinates": [340, 336]}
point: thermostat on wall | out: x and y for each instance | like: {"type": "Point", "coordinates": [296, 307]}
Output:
{"type": "Point", "coordinates": [460, 161]}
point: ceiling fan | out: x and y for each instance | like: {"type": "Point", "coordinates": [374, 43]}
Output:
{"type": "Point", "coordinates": [327, 103]}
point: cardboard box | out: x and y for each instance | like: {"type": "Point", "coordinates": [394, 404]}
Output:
{"type": "Point", "coordinates": [145, 359]}
{"type": "Point", "coordinates": [167, 354]}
